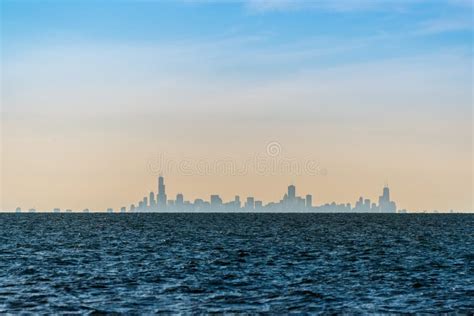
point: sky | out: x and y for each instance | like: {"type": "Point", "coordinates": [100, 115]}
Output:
{"type": "Point", "coordinates": [99, 97]}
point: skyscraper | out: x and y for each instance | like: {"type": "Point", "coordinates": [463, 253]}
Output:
{"type": "Point", "coordinates": [237, 201]}
{"type": "Point", "coordinates": [385, 205]}
{"type": "Point", "coordinates": [366, 205]}
{"type": "Point", "coordinates": [161, 193]}
{"type": "Point", "coordinates": [179, 200]}
{"type": "Point", "coordinates": [309, 201]}
{"type": "Point", "coordinates": [250, 204]}
{"type": "Point", "coordinates": [152, 200]}
{"type": "Point", "coordinates": [359, 204]}
{"type": "Point", "coordinates": [386, 193]}
{"type": "Point", "coordinates": [291, 192]}
{"type": "Point", "coordinates": [216, 201]}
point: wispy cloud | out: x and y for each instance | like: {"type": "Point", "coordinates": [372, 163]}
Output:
{"type": "Point", "coordinates": [444, 25]}
{"type": "Point", "coordinates": [327, 5]}
{"type": "Point", "coordinates": [466, 3]}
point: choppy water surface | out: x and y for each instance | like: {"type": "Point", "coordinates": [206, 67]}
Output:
{"type": "Point", "coordinates": [236, 262]}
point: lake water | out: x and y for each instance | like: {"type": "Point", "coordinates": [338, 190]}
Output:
{"type": "Point", "coordinates": [279, 263]}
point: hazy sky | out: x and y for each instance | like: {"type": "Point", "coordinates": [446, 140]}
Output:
{"type": "Point", "coordinates": [97, 94]}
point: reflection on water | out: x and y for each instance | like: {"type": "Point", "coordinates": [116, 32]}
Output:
{"type": "Point", "coordinates": [236, 262]}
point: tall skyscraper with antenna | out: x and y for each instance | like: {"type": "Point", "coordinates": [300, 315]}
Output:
{"type": "Point", "coordinates": [385, 205]}
{"type": "Point", "coordinates": [161, 193]}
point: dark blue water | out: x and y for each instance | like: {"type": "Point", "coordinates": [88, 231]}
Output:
{"type": "Point", "coordinates": [57, 263]}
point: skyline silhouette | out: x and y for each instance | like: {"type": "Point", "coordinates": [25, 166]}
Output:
{"type": "Point", "coordinates": [157, 201]}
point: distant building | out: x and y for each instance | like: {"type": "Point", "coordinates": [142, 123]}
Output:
{"type": "Point", "coordinates": [161, 193]}
{"type": "Point", "coordinates": [152, 200]}
{"type": "Point", "coordinates": [385, 205]}
{"type": "Point", "coordinates": [250, 204]}
{"type": "Point", "coordinates": [199, 204]}
{"type": "Point", "coordinates": [237, 201]}
{"type": "Point", "coordinates": [359, 204]}
{"type": "Point", "coordinates": [216, 201]}
{"type": "Point", "coordinates": [309, 201]}
{"type": "Point", "coordinates": [300, 203]}
{"type": "Point", "coordinates": [366, 205]}
{"type": "Point", "coordinates": [291, 192]}
{"type": "Point", "coordinates": [179, 200]}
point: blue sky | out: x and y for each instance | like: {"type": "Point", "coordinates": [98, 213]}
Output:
{"type": "Point", "coordinates": [370, 29]}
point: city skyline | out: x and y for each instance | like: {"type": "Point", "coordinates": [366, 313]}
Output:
{"type": "Point", "coordinates": [156, 201]}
